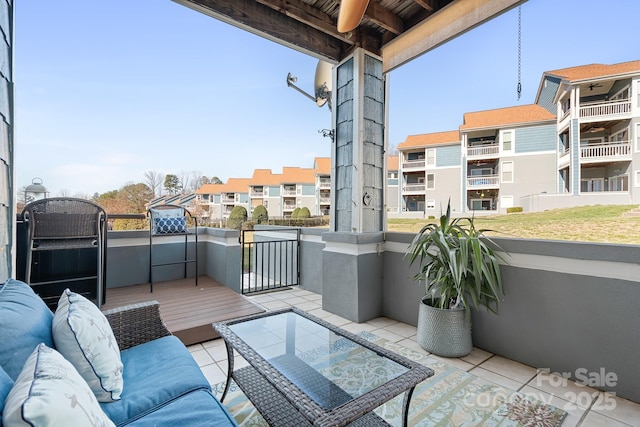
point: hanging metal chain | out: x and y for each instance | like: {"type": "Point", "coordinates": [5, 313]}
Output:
{"type": "Point", "coordinates": [519, 51]}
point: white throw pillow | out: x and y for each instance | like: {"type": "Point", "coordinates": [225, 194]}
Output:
{"type": "Point", "coordinates": [50, 392]}
{"type": "Point", "coordinates": [82, 334]}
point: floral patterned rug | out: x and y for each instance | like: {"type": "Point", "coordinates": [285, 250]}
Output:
{"type": "Point", "coordinates": [451, 397]}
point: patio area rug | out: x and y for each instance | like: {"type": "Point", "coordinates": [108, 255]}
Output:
{"type": "Point", "coordinates": [451, 397]}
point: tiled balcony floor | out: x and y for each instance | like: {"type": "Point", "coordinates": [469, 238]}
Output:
{"type": "Point", "coordinates": [585, 407]}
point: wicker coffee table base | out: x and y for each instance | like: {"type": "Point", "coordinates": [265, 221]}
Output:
{"type": "Point", "coordinates": [276, 409]}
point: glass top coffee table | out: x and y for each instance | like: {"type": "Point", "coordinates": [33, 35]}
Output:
{"type": "Point", "coordinates": [305, 371]}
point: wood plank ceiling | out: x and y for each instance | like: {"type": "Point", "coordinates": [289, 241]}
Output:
{"type": "Point", "coordinates": [310, 25]}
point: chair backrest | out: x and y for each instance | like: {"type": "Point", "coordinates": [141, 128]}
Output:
{"type": "Point", "coordinates": [168, 219]}
{"type": "Point", "coordinates": [64, 217]}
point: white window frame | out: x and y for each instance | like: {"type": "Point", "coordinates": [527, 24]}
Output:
{"type": "Point", "coordinates": [433, 181]}
{"type": "Point", "coordinates": [430, 160]}
{"type": "Point", "coordinates": [431, 204]}
{"type": "Point", "coordinates": [617, 95]}
{"type": "Point", "coordinates": [513, 140]}
{"type": "Point", "coordinates": [637, 137]}
{"type": "Point", "coordinates": [502, 171]}
{"type": "Point", "coordinates": [614, 137]}
{"type": "Point", "coordinates": [590, 182]}
{"type": "Point", "coordinates": [618, 178]}
{"type": "Point", "coordinates": [637, 183]}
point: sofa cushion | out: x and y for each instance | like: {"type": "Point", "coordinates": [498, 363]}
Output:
{"type": "Point", "coordinates": [50, 392]}
{"type": "Point", "coordinates": [83, 335]}
{"type": "Point", "coordinates": [6, 384]}
{"type": "Point", "coordinates": [198, 408]}
{"type": "Point", "coordinates": [25, 322]}
{"type": "Point", "coordinates": [155, 373]}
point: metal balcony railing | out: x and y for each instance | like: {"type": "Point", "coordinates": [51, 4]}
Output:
{"type": "Point", "coordinates": [483, 150]}
{"type": "Point", "coordinates": [413, 164]}
{"type": "Point", "coordinates": [414, 187]}
{"type": "Point", "coordinates": [606, 150]}
{"type": "Point", "coordinates": [482, 181]}
{"type": "Point", "coordinates": [606, 108]}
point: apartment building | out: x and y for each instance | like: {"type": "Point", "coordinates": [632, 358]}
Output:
{"type": "Point", "coordinates": [573, 146]}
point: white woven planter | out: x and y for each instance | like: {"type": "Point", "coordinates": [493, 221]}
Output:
{"type": "Point", "coordinates": [444, 332]}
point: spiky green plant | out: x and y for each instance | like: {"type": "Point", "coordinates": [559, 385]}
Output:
{"type": "Point", "coordinates": [458, 266]}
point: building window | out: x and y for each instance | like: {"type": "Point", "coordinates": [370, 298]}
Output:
{"type": "Point", "coordinates": [507, 171]}
{"type": "Point", "coordinates": [637, 178]}
{"type": "Point", "coordinates": [619, 183]}
{"type": "Point", "coordinates": [638, 137]}
{"type": "Point", "coordinates": [507, 140]}
{"type": "Point", "coordinates": [392, 175]}
{"type": "Point", "coordinates": [431, 181]}
{"type": "Point", "coordinates": [431, 204]}
{"type": "Point", "coordinates": [431, 157]}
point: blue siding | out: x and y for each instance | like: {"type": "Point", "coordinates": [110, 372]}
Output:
{"type": "Point", "coordinates": [548, 92]}
{"type": "Point", "coordinates": [392, 181]}
{"type": "Point", "coordinates": [536, 138]}
{"type": "Point", "coordinates": [448, 155]}
{"type": "Point", "coordinates": [274, 191]}
{"type": "Point", "coordinates": [243, 197]}
{"type": "Point", "coordinates": [308, 190]}
{"type": "Point", "coordinates": [216, 198]}
{"type": "Point", "coordinates": [575, 157]}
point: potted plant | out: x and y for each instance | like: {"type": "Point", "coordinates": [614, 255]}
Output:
{"type": "Point", "coordinates": [460, 271]}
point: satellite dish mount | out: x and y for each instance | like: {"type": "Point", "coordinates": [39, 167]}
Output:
{"type": "Point", "coordinates": [322, 84]}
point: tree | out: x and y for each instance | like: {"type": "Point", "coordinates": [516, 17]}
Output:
{"type": "Point", "coordinates": [154, 181]}
{"type": "Point", "coordinates": [260, 215]}
{"type": "Point", "coordinates": [171, 183]}
{"type": "Point", "coordinates": [237, 216]}
{"type": "Point", "coordinates": [295, 213]}
{"type": "Point", "coordinates": [216, 180]}
{"type": "Point", "coordinates": [136, 197]}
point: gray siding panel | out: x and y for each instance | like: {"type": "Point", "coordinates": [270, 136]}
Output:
{"type": "Point", "coordinates": [549, 89]}
{"type": "Point", "coordinates": [448, 156]}
{"type": "Point", "coordinates": [308, 190]}
{"type": "Point", "coordinates": [536, 138]}
{"type": "Point", "coordinates": [7, 201]}
{"type": "Point", "coordinates": [344, 145]}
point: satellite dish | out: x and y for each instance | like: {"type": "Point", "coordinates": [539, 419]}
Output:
{"type": "Point", "coordinates": [350, 14]}
{"type": "Point", "coordinates": [322, 83]}
{"type": "Point", "coordinates": [321, 87]}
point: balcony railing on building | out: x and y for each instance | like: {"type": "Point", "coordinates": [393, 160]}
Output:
{"type": "Point", "coordinates": [485, 150]}
{"type": "Point", "coordinates": [228, 201]}
{"type": "Point", "coordinates": [606, 108]}
{"type": "Point", "coordinates": [606, 151]}
{"type": "Point", "coordinates": [414, 188]}
{"type": "Point", "coordinates": [288, 206]}
{"type": "Point", "coordinates": [325, 200]}
{"type": "Point", "coordinates": [289, 192]}
{"type": "Point", "coordinates": [255, 193]}
{"type": "Point", "coordinates": [325, 183]}
{"type": "Point", "coordinates": [484, 181]}
{"type": "Point", "coordinates": [413, 164]}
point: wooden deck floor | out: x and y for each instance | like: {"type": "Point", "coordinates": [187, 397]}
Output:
{"type": "Point", "coordinates": [187, 310]}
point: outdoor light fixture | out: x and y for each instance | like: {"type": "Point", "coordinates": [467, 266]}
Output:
{"type": "Point", "coordinates": [35, 191]}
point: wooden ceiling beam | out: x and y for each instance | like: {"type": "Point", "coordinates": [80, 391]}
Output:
{"type": "Point", "coordinates": [308, 15]}
{"type": "Point", "coordinates": [384, 18]}
{"type": "Point", "coordinates": [271, 24]}
{"type": "Point", "coordinates": [426, 5]}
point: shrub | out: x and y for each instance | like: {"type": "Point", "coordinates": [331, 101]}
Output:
{"type": "Point", "coordinates": [260, 215]}
{"type": "Point", "coordinates": [237, 216]}
{"type": "Point", "coordinates": [304, 213]}
{"type": "Point", "coordinates": [295, 213]}
{"type": "Point", "coordinates": [514, 209]}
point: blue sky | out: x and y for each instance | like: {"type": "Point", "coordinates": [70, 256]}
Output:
{"type": "Point", "coordinates": [106, 90]}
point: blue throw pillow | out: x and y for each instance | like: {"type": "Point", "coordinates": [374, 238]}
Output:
{"type": "Point", "coordinates": [25, 322]}
{"type": "Point", "coordinates": [170, 225]}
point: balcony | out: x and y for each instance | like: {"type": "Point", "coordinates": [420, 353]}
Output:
{"type": "Point", "coordinates": [288, 206]}
{"type": "Point", "coordinates": [414, 188]}
{"type": "Point", "coordinates": [593, 153]}
{"type": "Point", "coordinates": [506, 343]}
{"type": "Point", "coordinates": [413, 164]}
{"type": "Point", "coordinates": [289, 192]}
{"type": "Point", "coordinates": [483, 181]}
{"type": "Point", "coordinates": [228, 200]}
{"type": "Point", "coordinates": [324, 183]}
{"type": "Point", "coordinates": [483, 151]}
{"type": "Point", "coordinates": [256, 193]}
{"type": "Point", "coordinates": [606, 110]}
{"type": "Point", "coordinates": [325, 200]}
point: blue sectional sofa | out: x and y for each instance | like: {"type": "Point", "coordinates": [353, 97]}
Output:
{"type": "Point", "coordinates": [163, 385]}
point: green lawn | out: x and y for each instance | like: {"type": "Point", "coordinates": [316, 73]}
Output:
{"type": "Point", "coordinates": [588, 223]}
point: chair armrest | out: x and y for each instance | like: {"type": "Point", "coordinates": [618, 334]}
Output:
{"type": "Point", "coordinates": [136, 323]}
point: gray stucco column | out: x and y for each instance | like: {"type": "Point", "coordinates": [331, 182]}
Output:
{"type": "Point", "coordinates": [352, 270]}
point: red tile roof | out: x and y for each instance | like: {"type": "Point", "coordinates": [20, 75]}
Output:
{"type": "Point", "coordinates": [506, 116]}
{"type": "Point", "coordinates": [322, 165]}
{"type": "Point", "coordinates": [593, 71]}
{"type": "Point", "coordinates": [416, 141]}
{"type": "Point", "coordinates": [392, 163]}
